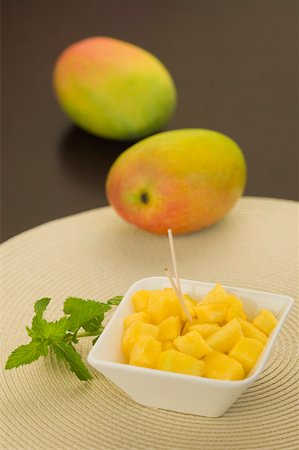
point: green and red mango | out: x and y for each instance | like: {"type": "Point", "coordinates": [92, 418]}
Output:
{"type": "Point", "coordinates": [114, 89]}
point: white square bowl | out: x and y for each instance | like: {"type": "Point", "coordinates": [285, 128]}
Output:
{"type": "Point", "coordinates": [174, 391]}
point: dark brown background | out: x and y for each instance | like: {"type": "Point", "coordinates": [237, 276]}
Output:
{"type": "Point", "coordinates": [234, 64]}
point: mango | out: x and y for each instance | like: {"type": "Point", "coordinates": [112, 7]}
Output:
{"type": "Point", "coordinates": [192, 344]}
{"type": "Point", "coordinates": [163, 304]}
{"type": "Point", "coordinates": [140, 300]}
{"type": "Point", "coordinates": [145, 352]}
{"type": "Point", "coordinates": [169, 329]}
{"type": "Point", "coordinates": [235, 308]}
{"type": "Point", "coordinates": [168, 345]}
{"type": "Point", "coordinates": [174, 361]}
{"type": "Point", "coordinates": [220, 343]}
{"type": "Point", "coordinates": [215, 295]}
{"type": "Point", "coordinates": [134, 332]}
{"type": "Point", "coordinates": [265, 321]}
{"type": "Point", "coordinates": [190, 305]}
{"type": "Point", "coordinates": [222, 367]}
{"type": "Point", "coordinates": [250, 331]}
{"type": "Point", "coordinates": [182, 179]}
{"type": "Point", "coordinates": [211, 313]}
{"type": "Point", "coordinates": [247, 352]}
{"type": "Point", "coordinates": [226, 337]}
{"type": "Point", "coordinates": [114, 89]}
{"type": "Point", "coordinates": [205, 329]}
{"type": "Point", "coordinates": [187, 325]}
{"type": "Point", "coordinates": [135, 317]}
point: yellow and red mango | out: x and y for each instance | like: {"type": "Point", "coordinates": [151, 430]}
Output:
{"type": "Point", "coordinates": [114, 89]}
{"type": "Point", "coordinates": [182, 179]}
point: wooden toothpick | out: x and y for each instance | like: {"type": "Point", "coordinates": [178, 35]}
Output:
{"type": "Point", "coordinates": [176, 287]}
{"type": "Point", "coordinates": [183, 305]}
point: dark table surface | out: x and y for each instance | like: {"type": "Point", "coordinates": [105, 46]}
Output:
{"type": "Point", "coordinates": [235, 65]}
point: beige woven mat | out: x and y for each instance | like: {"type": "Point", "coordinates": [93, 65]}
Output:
{"type": "Point", "coordinates": [97, 255]}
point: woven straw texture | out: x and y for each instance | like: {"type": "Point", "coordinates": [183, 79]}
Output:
{"type": "Point", "coordinates": [97, 255]}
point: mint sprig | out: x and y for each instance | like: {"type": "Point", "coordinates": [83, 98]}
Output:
{"type": "Point", "coordinates": [61, 335]}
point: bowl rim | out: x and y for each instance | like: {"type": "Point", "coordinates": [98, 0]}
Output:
{"type": "Point", "coordinates": [97, 362]}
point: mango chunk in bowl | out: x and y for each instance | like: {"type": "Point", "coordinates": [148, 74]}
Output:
{"type": "Point", "coordinates": [161, 360]}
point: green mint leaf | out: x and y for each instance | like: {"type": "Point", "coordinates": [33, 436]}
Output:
{"type": "Point", "coordinates": [68, 353]}
{"type": "Point", "coordinates": [83, 311]}
{"type": "Point", "coordinates": [94, 325]}
{"type": "Point", "coordinates": [26, 354]}
{"type": "Point", "coordinates": [56, 331]}
{"type": "Point", "coordinates": [38, 328]}
{"type": "Point", "coordinates": [115, 300]}
{"type": "Point", "coordinates": [39, 325]}
{"type": "Point", "coordinates": [49, 332]}
{"type": "Point", "coordinates": [41, 305]}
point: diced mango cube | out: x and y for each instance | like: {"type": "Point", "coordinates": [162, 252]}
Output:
{"type": "Point", "coordinates": [133, 333]}
{"type": "Point", "coordinates": [162, 304]}
{"type": "Point", "coordinates": [216, 295]}
{"type": "Point", "coordinates": [188, 324]}
{"type": "Point", "coordinates": [247, 352]}
{"type": "Point", "coordinates": [190, 304]}
{"type": "Point", "coordinates": [219, 295]}
{"type": "Point", "coordinates": [145, 352]}
{"type": "Point", "coordinates": [231, 299]}
{"type": "Point", "coordinates": [211, 313]}
{"type": "Point", "coordinates": [204, 329]}
{"type": "Point", "coordinates": [174, 361]}
{"type": "Point", "coordinates": [265, 321]}
{"type": "Point", "coordinates": [140, 300]}
{"type": "Point", "coordinates": [235, 308]}
{"type": "Point", "coordinates": [135, 317]}
{"type": "Point", "coordinates": [192, 300]}
{"type": "Point", "coordinates": [251, 331]}
{"type": "Point", "coordinates": [243, 315]}
{"type": "Point", "coordinates": [169, 329]}
{"type": "Point", "coordinates": [192, 344]}
{"type": "Point", "coordinates": [222, 367]}
{"type": "Point", "coordinates": [168, 292]}
{"type": "Point", "coordinates": [168, 345]}
{"type": "Point", "coordinates": [226, 337]}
